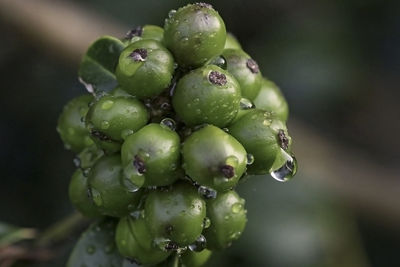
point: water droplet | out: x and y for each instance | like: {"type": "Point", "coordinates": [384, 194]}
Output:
{"type": "Point", "coordinates": [168, 123]}
{"type": "Point", "coordinates": [105, 125]}
{"type": "Point", "coordinates": [237, 207]}
{"type": "Point", "coordinates": [246, 104]}
{"type": "Point", "coordinates": [175, 65]}
{"type": "Point", "coordinates": [184, 41]}
{"type": "Point", "coordinates": [225, 130]}
{"type": "Point", "coordinates": [206, 222]}
{"type": "Point", "coordinates": [220, 61]}
{"type": "Point", "coordinates": [199, 244]}
{"type": "Point", "coordinates": [235, 235]}
{"type": "Point", "coordinates": [90, 249]}
{"type": "Point", "coordinates": [107, 104]}
{"type": "Point", "coordinates": [125, 133]}
{"type": "Point", "coordinates": [132, 180]}
{"type": "Point", "coordinates": [287, 170]}
{"type": "Point", "coordinates": [96, 197]}
{"type": "Point", "coordinates": [171, 13]}
{"type": "Point", "coordinates": [77, 162]}
{"type": "Point", "coordinates": [250, 159]}
{"type": "Point", "coordinates": [137, 214]}
{"type": "Point", "coordinates": [207, 192]}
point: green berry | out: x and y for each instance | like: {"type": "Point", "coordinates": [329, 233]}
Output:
{"type": "Point", "coordinates": [71, 126]}
{"type": "Point", "coordinates": [111, 119]}
{"type": "Point", "coordinates": [106, 190]}
{"type": "Point", "coordinates": [145, 68]}
{"type": "Point", "coordinates": [152, 32]}
{"type": "Point", "coordinates": [176, 214]}
{"type": "Point", "coordinates": [270, 98]}
{"type": "Point", "coordinates": [213, 158]}
{"type": "Point", "coordinates": [262, 135]}
{"type": "Point", "coordinates": [207, 95]}
{"type": "Point", "coordinates": [228, 220]}
{"type": "Point", "coordinates": [135, 242]}
{"type": "Point", "coordinates": [232, 42]}
{"type": "Point", "coordinates": [245, 70]}
{"type": "Point", "coordinates": [195, 259]}
{"type": "Point", "coordinates": [151, 156]}
{"type": "Point", "coordinates": [195, 34]}
{"type": "Point", "coordinates": [78, 195]}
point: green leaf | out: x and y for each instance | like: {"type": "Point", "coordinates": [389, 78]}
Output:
{"type": "Point", "coordinates": [96, 247]}
{"type": "Point", "coordinates": [10, 234]}
{"type": "Point", "coordinates": [98, 64]}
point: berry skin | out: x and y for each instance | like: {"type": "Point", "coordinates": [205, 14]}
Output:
{"type": "Point", "coordinates": [195, 259]}
{"type": "Point", "coordinates": [110, 118]}
{"type": "Point", "coordinates": [195, 34]}
{"type": "Point", "coordinates": [176, 214]}
{"type": "Point", "coordinates": [106, 190]}
{"type": "Point", "coordinates": [270, 98]}
{"type": "Point", "coordinates": [152, 32]}
{"type": "Point", "coordinates": [78, 195]}
{"type": "Point", "coordinates": [258, 131]}
{"type": "Point", "coordinates": [207, 95]}
{"type": "Point", "coordinates": [135, 242]}
{"type": "Point", "coordinates": [145, 68]}
{"type": "Point", "coordinates": [213, 158]}
{"type": "Point", "coordinates": [71, 126]}
{"type": "Point", "coordinates": [232, 42]}
{"type": "Point", "coordinates": [153, 153]}
{"type": "Point", "coordinates": [228, 220]}
{"type": "Point", "coordinates": [245, 70]}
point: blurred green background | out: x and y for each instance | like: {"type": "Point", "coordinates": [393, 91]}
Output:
{"type": "Point", "coordinates": [338, 64]}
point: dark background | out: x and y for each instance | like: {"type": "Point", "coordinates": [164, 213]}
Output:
{"type": "Point", "coordinates": [338, 64]}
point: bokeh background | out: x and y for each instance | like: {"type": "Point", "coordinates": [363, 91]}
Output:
{"type": "Point", "coordinates": [338, 64]}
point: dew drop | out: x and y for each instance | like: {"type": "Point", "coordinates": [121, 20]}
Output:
{"type": "Point", "coordinates": [171, 13]}
{"type": "Point", "coordinates": [207, 192]}
{"type": "Point", "coordinates": [206, 223]}
{"type": "Point", "coordinates": [96, 197]}
{"type": "Point", "coordinates": [285, 172]}
{"type": "Point", "coordinates": [237, 207]}
{"type": "Point", "coordinates": [250, 159]}
{"type": "Point", "coordinates": [89, 87]}
{"type": "Point", "coordinates": [132, 180]}
{"type": "Point", "coordinates": [105, 125]}
{"type": "Point", "coordinates": [125, 133]}
{"type": "Point", "coordinates": [199, 244]}
{"type": "Point", "coordinates": [168, 123]}
{"type": "Point", "coordinates": [246, 104]}
{"type": "Point", "coordinates": [107, 104]}
{"type": "Point", "coordinates": [77, 162]}
{"type": "Point", "coordinates": [219, 61]}
{"type": "Point", "coordinates": [90, 249]}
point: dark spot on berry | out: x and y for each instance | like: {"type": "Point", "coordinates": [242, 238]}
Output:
{"type": "Point", "coordinates": [203, 5]}
{"type": "Point", "coordinates": [169, 229]}
{"type": "Point", "coordinates": [252, 65]}
{"type": "Point", "coordinates": [217, 78]}
{"type": "Point", "coordinates": [139, 164]}
{"type": "Point", "coordinates": [139, 54]}
{"type": "Point", "coordinates": [100, 135]}
{"type": "Point", "coordinates": [283, 140]}
{"type": "Point", "coordinates": [134, 261]}
{"type": "Point", "coordinates": [171, 246]}
{"type": "Point", "coordinates": [228, 171]}
{"type": "Point", "coordinates": [134, 32]}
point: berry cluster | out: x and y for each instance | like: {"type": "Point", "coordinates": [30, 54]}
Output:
{"type": "Point", "coordinates": [188, 116]}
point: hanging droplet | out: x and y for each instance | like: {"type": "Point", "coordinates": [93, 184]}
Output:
{"type": "Point", "coordinates": [246, 104]}
{"type": "Point", "coordinates": [105, 125]}
{"type": "Point", "coordinates": [132, 180]}
{"type": "Point", "coordinates": [206, 223]}
{"type": "Point", "coordinates": [89, 87]}
{"type": "Point", "coordinates": [199, 244]}
{"type": "Point", "coordinates": [207, 192]}
{"type": "Point", "coordinates": [286, 171]}
{"type": "Point", "coordinates": [168, 123]}
{"type": "Point", "coordinates": [219, 61]}
{"type": "Point", "coordinates": [77, 162]}
{"type": "Point", "coordinates": [250, 159]}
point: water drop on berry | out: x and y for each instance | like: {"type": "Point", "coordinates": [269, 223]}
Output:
{"type": "Point", "coordinates": [199, 244]}
{"type": "Point", "coordinates": [285, 172]}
